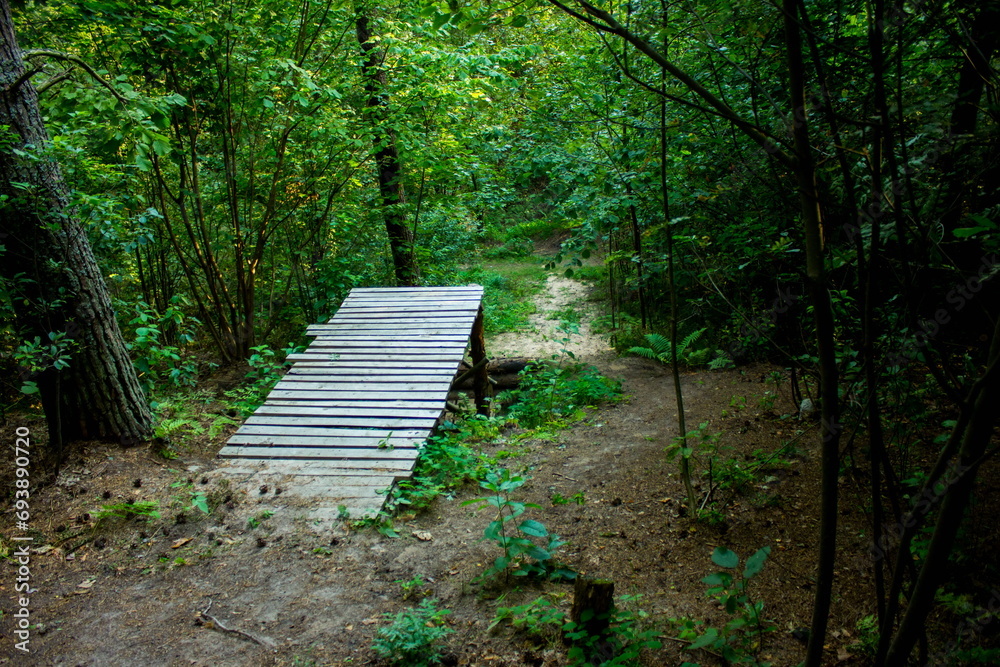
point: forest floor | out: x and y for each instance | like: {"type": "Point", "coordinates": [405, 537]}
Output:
{"type": "Point", "coordinates": [242, 587]}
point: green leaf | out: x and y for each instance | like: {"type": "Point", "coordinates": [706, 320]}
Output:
{"type": "Point", "coordinates": [756, 562]}
{"type": "Point", "coordinates": [440, 20]}
{"type": "Point", "coordinates": [539, 553]}
{"type": "Point", "coordinates": [519, 21]}
{"type": "Point", "coordinates": [966, 232]}
{"type": "Point", "coordinates": [723, 557]}
{"type": "Point", "coordinates": [533, 528]}
{"type": "Point", "coordinates": [708, 639]}
{"type": "Point", "coordinates": [714, 579]}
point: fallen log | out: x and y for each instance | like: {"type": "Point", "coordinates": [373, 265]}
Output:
{"type": "Point", "coordinates": [502, 373]}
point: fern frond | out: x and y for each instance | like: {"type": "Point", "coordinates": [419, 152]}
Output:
{"type": "Point", "coordinates": [690, 338]}
{"type": "Point", "coordinates": [659, 344]}
{"type": "Point", "coordinates": [646, 352]}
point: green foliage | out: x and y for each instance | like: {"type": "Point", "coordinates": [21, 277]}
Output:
{"type": "Point", "coordinates": [867, 642]}
{"type": "Point", "coordinates": [446, 462]}
{"type": "Point", "coordinates": [507, 296]}
{"type": "Point", "coordinates": [156, 361]}
{"type": "Point", "coordinates": [411, 640]}
{"type": "Point", "coordinates": [522, 555]}
{"type": "Point", "coordinates": [551, 391]}
{"type": "Point", "coordinates": [255, 521]}
{"type": "Point", "coordinates": [265, 371]}
{"type": "Point", "coordinates": [739, 641]}
{"type": "Point", "coordinates": [558, 499]}
{"type": "Point", "coordinates": [146, 509]}
{"type": "Point", "coordinates": [660, 349]}
{"type": "Point", "coordinates": [625, 638]}
{"type": "Point", "coordinates": [412, 587]}
{"type": "Point", "coordinates": [35, 357]}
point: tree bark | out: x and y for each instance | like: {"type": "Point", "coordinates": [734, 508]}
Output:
{"type": "Point", "coordinates": [390, 171]}
{"type": "Point", "coordinates": [805, 173]}
{"type": "Point", "coordinates": [51, 268]}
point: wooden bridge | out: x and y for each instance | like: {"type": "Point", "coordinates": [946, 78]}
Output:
{"type": "Point", "coordinates": [350, 416]}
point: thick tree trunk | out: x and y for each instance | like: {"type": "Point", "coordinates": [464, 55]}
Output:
{"type": "Point", "coordinates": [52, 270]}
{"type": "Point", "coordinates": [390, 172]}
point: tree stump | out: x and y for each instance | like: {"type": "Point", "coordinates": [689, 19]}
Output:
{"type": "Point", "coordinates": [593, 602]}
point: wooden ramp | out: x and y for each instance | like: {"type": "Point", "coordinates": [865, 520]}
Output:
{"type": "Point", "coordinates": [351, 414]}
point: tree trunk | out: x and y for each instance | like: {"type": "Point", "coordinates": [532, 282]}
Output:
{"type": "Point", "coordinates": [58, 285]}
{"type": "Point", "coordinates": [823, 317]}
{"type": "Point", "coordinates": [390, 172]}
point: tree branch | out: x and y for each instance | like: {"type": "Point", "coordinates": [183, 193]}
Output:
{"type": "Point", "coordinates": [605, 22]}
{"type": "Point", "coordinates": [79, 62]}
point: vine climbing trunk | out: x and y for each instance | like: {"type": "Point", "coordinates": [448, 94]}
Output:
{"type": "Point", "coordinates": [48, 263]}
{"type": "Point", "coordinates": [390, 171]}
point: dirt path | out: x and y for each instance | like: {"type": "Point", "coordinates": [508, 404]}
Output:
{"type": "Point", "coordinates": [560, 297]}
{"type": "Point", "coordinates": [302, 592]}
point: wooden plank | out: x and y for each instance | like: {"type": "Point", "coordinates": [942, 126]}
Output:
{"type": "Point", "coordinates": [335, 351]}
{"type": "Point", "coordinates": [314, 467]}
{"type": "Point", "coordinates": [394, 332]}
{"type": "Point", "coordinates": [408, 444]}
{"type": "Point", "coordinates": [376, 361]}
{"type": "Point", "coordinates": [421, 318]}
{"type": "Point", "coordinates": [311, 468]}
{"type": "Point", "coordinates": [321, 409]}
{"type": "Point", "coordinates": [361, 434]}
{"type": "Point", "coordinates": [404, 342]}
{"type": "Point", "coordinates": [375, 364]}
{"type": "Point", "coordinates": [344, 453]}
{"type": "Point", "coordinates": [315, 453]}
{"type": "Point", "coordinates": [389, 404]}
{"type": "Point", "coordinates": [313, 394]}
{"type": "Point", "coordinates": [446, 289]}
{"type": "Point", "coordinates": [367, 382]}
{"type": "Point", "coordinates": [432, 329]}
{"type": "Point", "coordinates": [468, 303]}
{"type": "Point", "coordinates": [434, 307]}
{"type": "Point", "coordinates": [340, 421]}
{"type": "Point", "coordinates": [440, 369]}
{"type": "Point", "coordinates": [371, 386]}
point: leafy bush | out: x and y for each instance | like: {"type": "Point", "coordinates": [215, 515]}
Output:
{"type": "Point", "coordinates": [624, 640]}
{"type": "Point", "coordinates": [159, 342]}
{"type": "Point", "coordinates": [739, 640]}
{"type": "Point", "coordinates": [410, 640]}
{"type": "Point", "coordinates": [522, 556]}
{"type": "Point", "coordinates": [550, 390]}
